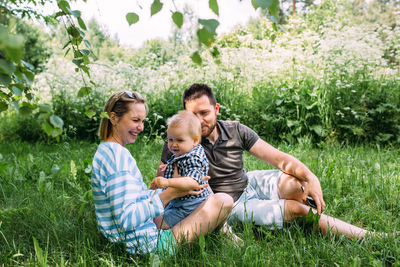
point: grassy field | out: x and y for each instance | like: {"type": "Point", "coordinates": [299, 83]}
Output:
{"type": "Point", "coordinates": [47, 215]}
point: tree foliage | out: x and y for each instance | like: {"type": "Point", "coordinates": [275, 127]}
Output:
{"type": "Point", "coordinates": [17, 74]}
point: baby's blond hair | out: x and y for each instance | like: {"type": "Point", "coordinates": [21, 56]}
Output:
{"type": "Point", "coordinates": [185, 118]}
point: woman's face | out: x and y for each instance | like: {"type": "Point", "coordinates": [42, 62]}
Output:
{"type": "Point", "coordinates": [126, 128]}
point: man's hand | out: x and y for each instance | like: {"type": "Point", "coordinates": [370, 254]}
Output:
{"type": "Point", "coordinates": [159, 182]}
{"type": "Point", "coordinates": [314, 190]}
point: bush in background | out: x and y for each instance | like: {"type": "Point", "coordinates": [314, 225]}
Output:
{"type": "Point", "coordinates": [328, 77]}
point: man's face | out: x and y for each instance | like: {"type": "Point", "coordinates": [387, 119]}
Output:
{"type": "Point", "coordinates": [205, 112]}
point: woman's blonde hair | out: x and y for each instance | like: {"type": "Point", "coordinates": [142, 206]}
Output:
{"type": "Point", "coordinates": [185, 118]}
{"type": "Point", "coordinates": [119, 104]}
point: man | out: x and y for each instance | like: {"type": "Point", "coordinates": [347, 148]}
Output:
{"type": "Point", "coordinates": [267, 197]}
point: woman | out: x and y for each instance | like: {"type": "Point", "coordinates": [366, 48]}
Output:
{"type": "Point", "coordinates": [125, 208]}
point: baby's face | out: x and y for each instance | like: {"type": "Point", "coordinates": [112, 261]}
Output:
{"type": "Point", "coordinates": [180, 141]}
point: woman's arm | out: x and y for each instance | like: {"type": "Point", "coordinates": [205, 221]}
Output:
{"type": "Point", "coordinates": [130, 204]}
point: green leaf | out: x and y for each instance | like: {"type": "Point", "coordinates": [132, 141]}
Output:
{"type": "Point", "coordinates": [85, 69]}
{"type": "Point", "coordinates": [104, 115]}
{"type": "Point", "coordinates": [254, 4]}
{"type": "Point", "coordinates": [210, 24]}
{"type": "Point", "coordinates": [214, 6]}
{"type": "Point", "coordinates": [73, 31]}
{"type": "Point", "coordinates": [39, 252]}
{"type": "Point", "coordinates": [15, 104]}
{"type": "Point", "coordinates": [156, 7]}
{"type": "Point", "coordinates": [132, 18]}
{"type": "Point", "coordinates": [15, 48]}
{"type": "Point", "coordinates": [76, 13]}
{"type": "Point", "coordinates": [58, 14]}
{"type": "Point", "coordinates": [84, 91]}
{"type": "Point", "coordinates": [271, 5]}
{"type": "Point", "coordinates": [264, 3]}
{"type": "Point", "coordinates": [3, 106]}
{"type": "Point", "coordinates": [81, 33]}
{"type": "Point", "coordinates": [85, 51]}
{"type": "Point", "coordinates": [28, 75]}
{"type": "Point", "coordinates": [86, 59]}
{"type": "Point", "coordinates": [45, 108]}
{"type": "Point", "coordinates": [82, 24]}
{"type": "Point", "coordinates": [56, 121]}
{"type": "Point", "coordinates": [24, 111]}
{"type": "Point", "coordinates": [291, 123]}
{"type": "Point", "coordinates": [154, 260]}
{"type": "Point", "coordinates": [64, 6]}
{"type": "Point", "coordinates": [196, 58]}
{"type": "Point", "coordinates": [6, 67]}
{"type": "Point", "coordinates": [77, 53]}
{"type": "Point", "coordinates": [90, 113]}
{"type": "Point", "coordinates": [177, 17]}
{"type": "Point", "coordinates": [48, 129]}
{"type": "Point", "coordinates": [16, 90]}
{"type": "Point", "coordinates": [215, 52]}
{"type": "Point", "coordinates": [28, 65]}
{"type": "Point", "coordinates": [205, 37]}
{"type": "Point", "coordinates": [319, 130]}
{"type": "Point", "coordinates": [26, 108]}
{"type": "Point", "coordinates": [66, 52]}
{"type": "Point", "coordinates": [87, 43]}
{"type": "Point", "coordinates": [202, 243]}
{"type": "Point", "coordinates": [66, 44]}
{"type": "Point", "coordinates": [77, 61]}
{"type": "Point", "coordinates": [5, 79]}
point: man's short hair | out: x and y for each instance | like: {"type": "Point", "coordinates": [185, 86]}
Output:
{"type": "Point", "coordinates": [197, 90]}
{"type": "Point", "coordinates": [187, 119]}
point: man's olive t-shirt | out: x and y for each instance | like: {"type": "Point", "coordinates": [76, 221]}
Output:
{"type": "Point", "coordinates": [226, 157]}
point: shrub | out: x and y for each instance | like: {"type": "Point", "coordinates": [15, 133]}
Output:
{"type": "Point", "coordinates": [71, 110]}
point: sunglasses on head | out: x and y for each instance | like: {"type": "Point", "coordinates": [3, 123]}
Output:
{"type": "Point", "coordinates": [130, 94]}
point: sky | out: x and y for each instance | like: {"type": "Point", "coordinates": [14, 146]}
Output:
{"type": "Point", "coordinates": [111, 16]}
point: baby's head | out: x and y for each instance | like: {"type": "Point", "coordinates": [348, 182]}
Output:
{"type": "Point", "coordinates": [184, 132]}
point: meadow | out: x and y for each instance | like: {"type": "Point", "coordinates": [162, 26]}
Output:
{"type": "Point", "coordinates": [47, 214]}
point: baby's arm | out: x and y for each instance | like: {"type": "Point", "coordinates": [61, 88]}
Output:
{"type": "Point", "coordinates": [181, 183]}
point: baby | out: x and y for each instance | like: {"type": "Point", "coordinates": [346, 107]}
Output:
{"type": "Point", "coordinates": [187, 165]}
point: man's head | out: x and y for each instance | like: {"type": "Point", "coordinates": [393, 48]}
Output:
{"type": "Point", "coordinates": [200, 99]}
{"type": "Point", "coordinates": [184, 132]}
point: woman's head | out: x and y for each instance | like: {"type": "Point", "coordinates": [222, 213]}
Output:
{"type": "Point", "coordinates": [126, 111]}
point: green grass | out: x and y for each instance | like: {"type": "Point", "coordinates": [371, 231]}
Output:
{"type": "Point", "coordinates": [45, 196]}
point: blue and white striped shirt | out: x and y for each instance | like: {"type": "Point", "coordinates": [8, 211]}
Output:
{"type": "Point", "coordinates": [124, 208]}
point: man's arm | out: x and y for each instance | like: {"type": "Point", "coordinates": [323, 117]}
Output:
{"type": "Point", "coordinates": [292, 166]}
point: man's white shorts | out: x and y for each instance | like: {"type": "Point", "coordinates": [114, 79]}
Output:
{"type": "Point", "coordinates": [260, 200]}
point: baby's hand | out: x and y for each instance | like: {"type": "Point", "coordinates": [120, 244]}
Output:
{"type": "Point", "coordinates": [159, 182]}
